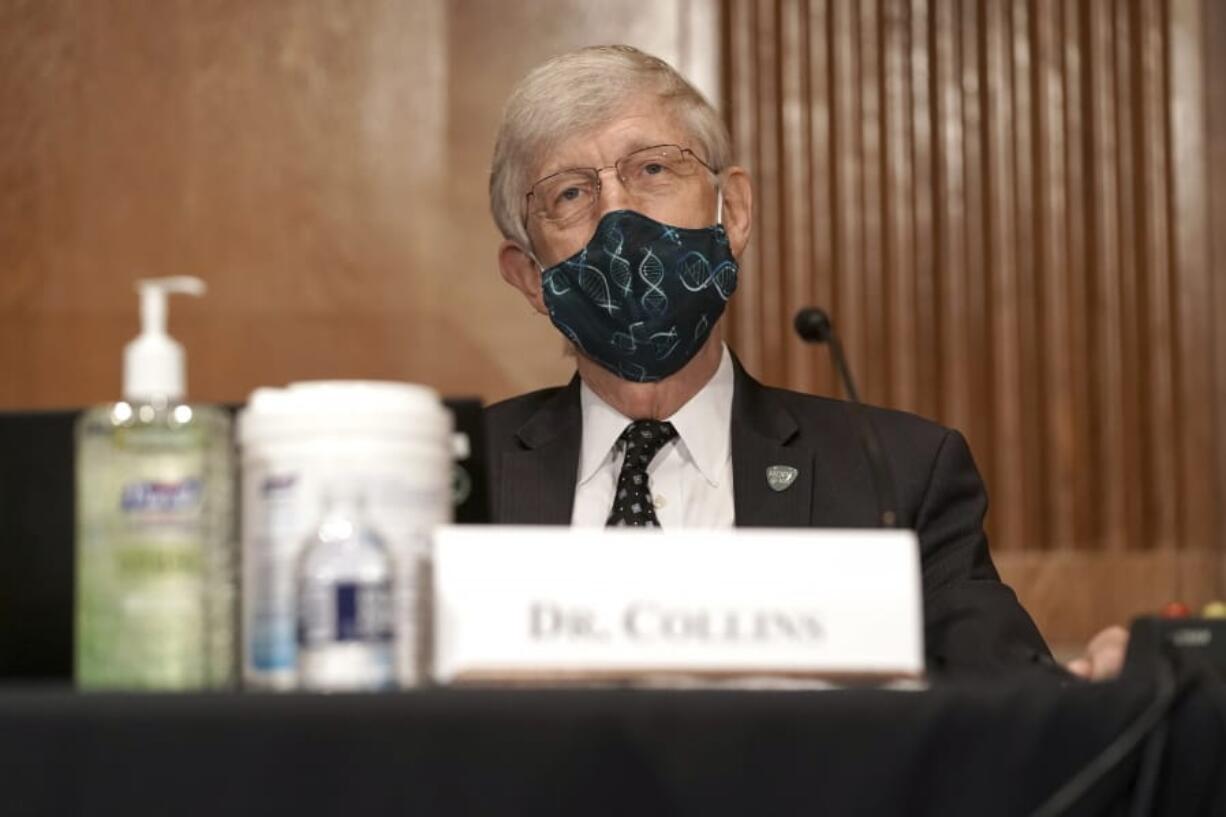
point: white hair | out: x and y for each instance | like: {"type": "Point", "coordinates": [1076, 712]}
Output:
{"type": "Point", "coordinates": [574, 93]}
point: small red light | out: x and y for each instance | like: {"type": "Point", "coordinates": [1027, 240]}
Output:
{"type": "Point", "coordinates": [1175, 609]}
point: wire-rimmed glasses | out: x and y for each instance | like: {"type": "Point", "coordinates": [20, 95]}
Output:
{"type": "Point", "coordinates": [649, 174]}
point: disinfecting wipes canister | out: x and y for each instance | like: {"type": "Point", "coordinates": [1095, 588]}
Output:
{"type": "Point", "coordinates": [391, 442]}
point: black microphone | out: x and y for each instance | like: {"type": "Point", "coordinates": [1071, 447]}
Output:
{"type": "Point", "coordinates": [814, 326]}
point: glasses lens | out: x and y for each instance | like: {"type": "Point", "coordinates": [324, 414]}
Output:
{"type": "Point", "coordinates": [565, 195]}
{"type": "Point", "coordinates": [657, 171]}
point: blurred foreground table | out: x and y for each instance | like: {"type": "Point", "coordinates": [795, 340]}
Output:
{"type": "Point", "coordinates": [997, 749]}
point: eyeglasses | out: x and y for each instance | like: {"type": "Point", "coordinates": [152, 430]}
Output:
{"type": "Point", "coordinates": [650, 174]}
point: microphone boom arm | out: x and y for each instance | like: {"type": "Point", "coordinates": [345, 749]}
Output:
{"type": "Point", "coordinates": [814, 326]}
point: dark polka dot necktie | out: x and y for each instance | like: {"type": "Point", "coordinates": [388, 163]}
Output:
{"type": "Point", "coordinates": [632, 503]}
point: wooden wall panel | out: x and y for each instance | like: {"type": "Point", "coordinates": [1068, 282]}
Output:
{"type": "Point", "coordinates": [1214, 77]}
{"type": "Point", "coordinates": [1073, 228]}
{"type": "Point", "coordinates": [1192, 289]}
{"type": "Point", "coordinates": [924, 337]}
{"type": "Point", "coordinates": [1112, 280]}
{"type": "Point", "coordinates": [1006, 398]}
{"type": "Point", "coordinates": [1018, 246]}
{"type": "Point", "coordinates": [1058, 315]}
{"type": "Point", "coordinates": [323, 165]}
{"type": "Point", "coordinates": [951, 221]}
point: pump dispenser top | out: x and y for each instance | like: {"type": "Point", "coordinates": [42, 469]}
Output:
{"type": "Point", "coordinates": [154, 365]}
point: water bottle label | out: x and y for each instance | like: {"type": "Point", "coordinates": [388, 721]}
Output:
{"type": "Point", "coordinates": [346, 611]}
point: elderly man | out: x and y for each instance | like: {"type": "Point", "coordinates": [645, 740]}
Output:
{"type": "Point", "coordinates": [623, 219]}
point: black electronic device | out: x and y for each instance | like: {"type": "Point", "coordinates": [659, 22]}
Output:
{"type": "Point", "coordinates": [1197, 644]}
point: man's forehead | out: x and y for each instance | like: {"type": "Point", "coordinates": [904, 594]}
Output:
{"type": "Point", "coordinates": [640, 126]}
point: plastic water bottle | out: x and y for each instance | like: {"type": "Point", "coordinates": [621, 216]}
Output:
{"type": "Point", "coordinates": [346, 628]}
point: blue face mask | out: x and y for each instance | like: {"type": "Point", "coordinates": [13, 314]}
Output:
{"type": "Point", "coordinates": [641, 298]}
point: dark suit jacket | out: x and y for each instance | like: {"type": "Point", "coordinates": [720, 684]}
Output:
{"type": "Point", "coordinates": [973, 621]}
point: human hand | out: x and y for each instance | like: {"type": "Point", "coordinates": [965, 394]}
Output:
{"type": "Point", "coordinates": [1104, 655]}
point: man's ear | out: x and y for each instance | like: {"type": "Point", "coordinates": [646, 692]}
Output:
{"type": "Point", "coordinates": [520, 271]}
{"type": "Point", "coordinates": [738, 208]}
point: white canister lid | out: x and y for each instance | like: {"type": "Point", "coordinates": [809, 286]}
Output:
{"type": "Point", "coordinates": [345, 408]}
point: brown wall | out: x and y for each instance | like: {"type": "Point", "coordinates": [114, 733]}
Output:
{"type": "Point", "coordinates": [1214, 44]}
{"type": "Point", "coordinates": [321, 164]}
{"type": "Point", "coordinates": [1003, 204]}
{"type": "Point", "coordinates": [1004, 207]}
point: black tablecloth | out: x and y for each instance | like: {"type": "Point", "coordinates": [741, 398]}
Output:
{"type": "Point", "coordinates": [973, 750]}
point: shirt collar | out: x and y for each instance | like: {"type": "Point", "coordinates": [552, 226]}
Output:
{"type": "Point", "coordinates": [703, 425]}
{"type": "Point", "coordinates": [602, 425]}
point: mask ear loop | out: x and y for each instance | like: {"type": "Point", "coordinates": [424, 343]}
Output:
{"type": "Point", "coordinates": [528, 249]}
{"type": "Point", "coordinates": [532, 254]}
{"type": "Point", "coordinates": [539, 267]}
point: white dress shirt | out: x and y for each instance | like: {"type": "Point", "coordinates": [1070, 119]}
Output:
{"type": "Point", "coordinates": [691, 476]}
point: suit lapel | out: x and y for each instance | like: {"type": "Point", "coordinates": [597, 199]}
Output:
{"type": "Point", "coordinates": [538, 481]}
{"type": "Point", "coordinates": [764, 435]}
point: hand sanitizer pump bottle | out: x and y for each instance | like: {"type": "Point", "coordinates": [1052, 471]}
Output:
{"type": "Point", "coordinates": [155, 555]}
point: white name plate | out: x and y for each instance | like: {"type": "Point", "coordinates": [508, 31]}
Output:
{"type": "Point", "coordinates": [526, 604]}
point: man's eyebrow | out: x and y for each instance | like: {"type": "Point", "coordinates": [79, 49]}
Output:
{"type": "Point", "coordinates": [552, 168]}
{"type": "Point", "coordinates": [644, 143]}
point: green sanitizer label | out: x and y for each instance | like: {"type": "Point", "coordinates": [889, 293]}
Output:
{"type": "Point", "coordinates": [143, 617]}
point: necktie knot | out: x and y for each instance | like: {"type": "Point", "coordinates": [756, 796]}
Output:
{"type": "Point", "coordinates": [642, 440]}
